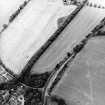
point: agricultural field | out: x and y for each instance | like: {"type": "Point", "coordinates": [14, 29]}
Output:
{"type": "Point", "coordinates": [7, 8]}
{"type": "Point", "coordinates": [81, 26]}
{"type": "Point", "coordinates": [83, 81]}
{"type": "Point", "coordinates": [52, 52]}
{"type": "Point", "coordinates": [30, 30]}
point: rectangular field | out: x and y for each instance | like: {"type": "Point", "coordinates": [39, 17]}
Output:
{"type": "Point", "coordinates": [81, 26]}
{"type": "Point", "coordinates": [30, 30]}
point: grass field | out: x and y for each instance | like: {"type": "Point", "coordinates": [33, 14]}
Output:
{"type": "Point", "coordinates": [84, 78]}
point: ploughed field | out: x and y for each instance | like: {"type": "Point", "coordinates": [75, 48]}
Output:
{"type": "Point", "coordinates": [84, 22]}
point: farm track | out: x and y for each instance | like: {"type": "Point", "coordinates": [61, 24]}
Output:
{"type": "Point", "coordinates": [64, 65]}
{"type": "Point", "coordinates": [84, 74]}
{"type": "Point", "coordinates": [59, 67]}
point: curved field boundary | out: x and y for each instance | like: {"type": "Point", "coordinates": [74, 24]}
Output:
{"type": "Point", "coordinates": [37, 55]}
